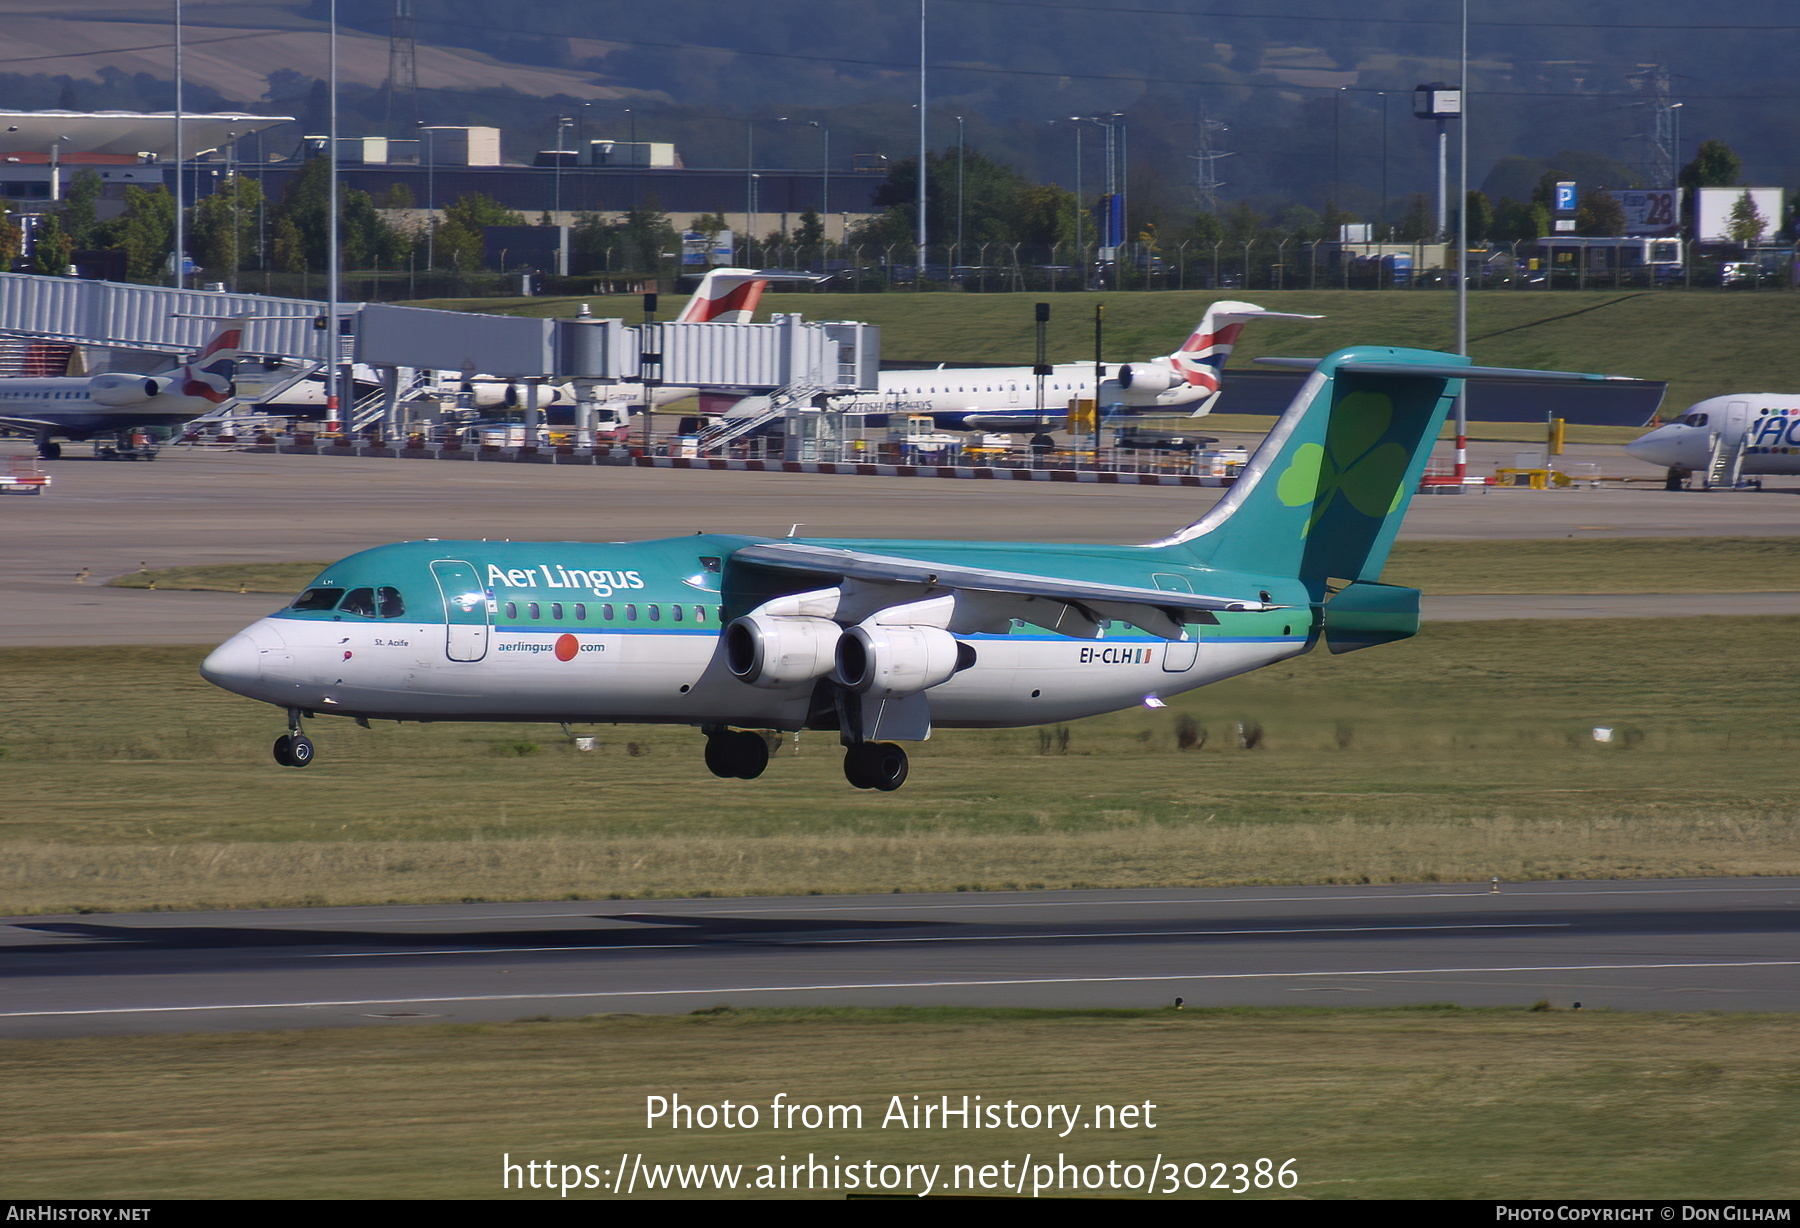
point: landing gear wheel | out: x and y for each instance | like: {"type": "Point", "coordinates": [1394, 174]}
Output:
{"type": "Point", "coordinates": [49, 451]}
{"type": "Point", "coordinates": [875, 765]}
{"type": "Point", "coordinates": [859, 767]}
{"type": "Point", "coordinates": [752, 755]}
{"type": "Point", "coordinates": [719, 748]}
{"type": "Point", "coordinates": [736, 754]}
{"type": "Point", "coordinates": [293, 750]}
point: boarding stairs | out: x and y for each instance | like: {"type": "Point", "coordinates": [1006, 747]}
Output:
{"type": "Point", "coordinates": [1725, 467]}
{"type": "Point", "coordinates": [752, 413]}
{"type": "Point", "coordinates": [369, 410]}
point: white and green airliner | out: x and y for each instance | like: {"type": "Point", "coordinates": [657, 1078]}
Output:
{"type": "Point", "coordinates": [880, 641]}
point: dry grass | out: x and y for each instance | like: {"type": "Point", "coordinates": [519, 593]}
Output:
{"type": "Point", "coordinates": [1133, 852]}
{"type": "Point", "coordinates": [1465, 753]}
{"type": "Point", "coordinates": [1426, 1103]}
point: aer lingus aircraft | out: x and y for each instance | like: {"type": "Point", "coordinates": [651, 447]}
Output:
{"type": "Point", "coordinates": [880, 641]}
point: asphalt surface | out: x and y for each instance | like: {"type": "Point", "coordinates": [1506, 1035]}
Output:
{"type": "Point", "coordinates": [1664, 945]}
{"type": "Point", "coordinates": [191, 508]}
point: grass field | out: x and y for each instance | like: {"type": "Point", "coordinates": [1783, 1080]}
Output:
{"type": "Point", "coordinates": [1464, 753]}
{"type": "Point", "coordinates": [1629, 565]}
{"type": "Point", "coordinates": [1705, 343]}
{"type": "Point", "coordinates": [1425, 1103]}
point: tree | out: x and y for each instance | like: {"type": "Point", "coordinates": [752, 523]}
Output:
{"type": "Point", "coordinates": [12, 235]}
{"type": "Point", "coordinates": [78, 215]}
{"type": "Point", "coordinates": [1516, 222]}
{"type": "Point", "coordinates": [50, 248]}
{"type": "Point", "coordinates": [1599, 214]}
{"type": "Point", "coordinates": [1714, 166]}
{"type": "Point", "coordinates": [145, 231]}
{"type": "Point", "coordinates": [1481, 216]}
{"type": "Point", "coordinates": [364, 236]}
{"type": "Point", "coordinates": [1418, 226]}
{"type": "Point", "coordinates": [811, 230]}
{"type": "Point", "coordinates": [1746, 224]}
{"type": "Point", "coordinates": [223, 230]}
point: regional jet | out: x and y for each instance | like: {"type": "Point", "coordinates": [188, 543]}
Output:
{"type": "Point", "coordinates": [879, 642]}
{"type": "Point", "coordinates": [1726, 438]}
{"type": "Point", "coordinates": [81, 407]}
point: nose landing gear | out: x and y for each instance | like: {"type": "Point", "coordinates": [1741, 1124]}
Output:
{"type": "Point", "coordinates": [293, 748]}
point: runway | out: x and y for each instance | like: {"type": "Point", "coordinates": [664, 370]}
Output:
{"type": "Point", "coordinates": [1657, 945]}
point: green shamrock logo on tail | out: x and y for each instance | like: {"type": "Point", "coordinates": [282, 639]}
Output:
{"type": "Point", "coordinates": [1353, 462]}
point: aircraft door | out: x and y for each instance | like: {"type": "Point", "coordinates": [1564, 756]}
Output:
{"type": "Point", "coordinates": [1178, 656]}
{"type": "Point", "coordinates": [1737, 419]}
{"type": "Point", "coordinates": [465, 610]}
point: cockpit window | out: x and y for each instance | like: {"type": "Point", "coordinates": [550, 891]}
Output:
{"type": "Point", "coordinates": [359, 601]}
{"type": "Point", "coordinates": [318, 599]}
{"type": "Point", "coordinates": [388, 603]}
{"type": "Point", "coordinates": [1695, 420]}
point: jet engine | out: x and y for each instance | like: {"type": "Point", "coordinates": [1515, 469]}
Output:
{"type": "Point", "coordinates": [1148, 377]}
{"type": "Point", "coordinates": [119, 388]}
{"type": "Point", "coordinates": [881, 661]}
{"type": "Point", "coordinates": [774, 651]}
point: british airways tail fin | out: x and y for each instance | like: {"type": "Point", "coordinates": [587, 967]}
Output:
{"type": "Point", "coordinates": [1201, 358]}
{"type": "Point", "coordinates": [730, 296]}
{"type": "Point", "coordinates": [208, 376]}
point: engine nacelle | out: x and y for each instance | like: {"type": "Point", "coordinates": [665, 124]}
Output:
{"type": "Point", "coordinates": [1148, 377]}
{"type": "Point", "coordinates": [771, 651]}
{"type": "Point", "coordinates": [882, 661]}
{"type": "Point", "coordinates": [118, 388]}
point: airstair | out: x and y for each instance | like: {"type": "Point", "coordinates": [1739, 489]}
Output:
{"type": "Point", "coordinates": [753, 413]}
{"type": "Point", "coordinates": [1725, 467]}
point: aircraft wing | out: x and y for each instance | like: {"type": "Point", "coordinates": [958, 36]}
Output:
{"type": "Point", "coordinates": [1102, 600]}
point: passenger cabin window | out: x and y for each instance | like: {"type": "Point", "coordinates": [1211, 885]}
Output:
{"type": "Point", "coordinates": [606, 612]}
{"type": "Point", "coordinates": [699, 613]}
{"type": "Point", "coordinates": [655, 613]}
{"type": "Point", "coordinates": [580, 611]}
{"type": "Point", "coordinates": [512, 609]}
{"type": "Point", "coordinates": [675, 612]}
{"type": "Point", "coordinates": [318, 599]}
{"type": "Point", "coordinates": [631, 612]}
{"type": "Point", "coordinates": [531, 610]}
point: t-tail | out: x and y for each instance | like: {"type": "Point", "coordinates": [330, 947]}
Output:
{"type": "Point", "coordinates": [1201, 358]}
{"type": "Point", "coordinates": [730, 296]}
{"type": "Point", "coordinates": [208, 376]}
{"type": "Point", "coordinates": [1322, 498]}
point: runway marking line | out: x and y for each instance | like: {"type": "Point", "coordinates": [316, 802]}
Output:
{"type": "Point", "coordinates": [1049, 980]}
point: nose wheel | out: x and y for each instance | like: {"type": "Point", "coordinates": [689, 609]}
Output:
{"type": "Point", "coordinates": [875, 765]}
{"type": "Point", "coordinates": [293, 750]}
{"type": "Point", "coordinates": [736, 753]}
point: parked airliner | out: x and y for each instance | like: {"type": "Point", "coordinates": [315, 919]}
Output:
{"type": "Point", "coordinates": [1725, 438]}
{"type": "Point", "coordinates": [1005, 398]}
{"type": "Point", "coordinates": [81, 407]}
{"type": "Point", "coordinates": [879, 641]}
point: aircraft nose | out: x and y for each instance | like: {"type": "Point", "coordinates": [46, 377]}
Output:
{"type": "Point", "coordinates": [237, 664]}
{"type": "Point", "coordinates": [1656, 448]}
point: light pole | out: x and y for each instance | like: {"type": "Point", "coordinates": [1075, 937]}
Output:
{"type": "Point", "coordinates": [919, 278]}
{"type": "Point", "coordinates": [824, 171]}
{"type": "Point", "coordinates": [562, 123]}
{"type": "Point", "coordinates": [959, 187]}
{"type": "Point", "coordinates": [430, 195]}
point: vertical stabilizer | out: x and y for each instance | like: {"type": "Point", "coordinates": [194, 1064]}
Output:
{"type": "Point", "coordinates": [1323, 497]}
{"type": "Point", "coordinates": [1201, 358]}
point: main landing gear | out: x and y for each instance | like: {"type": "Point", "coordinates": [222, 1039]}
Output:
{"type": "Point", "coordinates": [736, 753]}
{"type": "Point", "coordinates": [293, 748]}
{"type": "Point", "coordinates": [875, 765]}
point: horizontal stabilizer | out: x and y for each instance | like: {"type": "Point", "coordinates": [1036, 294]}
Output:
{"type": "Point", "coordinates": [1516, 374]}
{"type": "Point", "coordinates": [1365, 614]}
